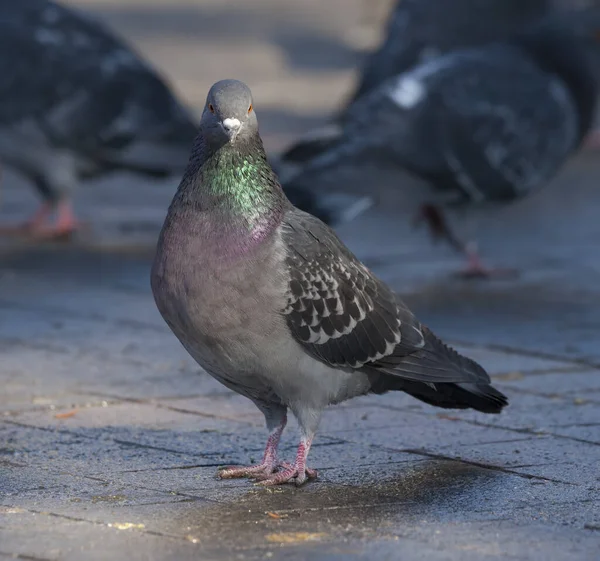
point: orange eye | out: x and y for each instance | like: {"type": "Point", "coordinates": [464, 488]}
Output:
{"type": "Point", "coordinates": [250, 109]}
{"type": "Point", "coordinates": [211, 108]}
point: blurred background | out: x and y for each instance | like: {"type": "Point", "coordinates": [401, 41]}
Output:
{"type": "Point", "coordinates": [303, 60]}
{"type": "Point", "coordinates": [298, 56]}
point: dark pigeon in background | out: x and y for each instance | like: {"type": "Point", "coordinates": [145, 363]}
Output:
{"type": "Point", "coordinates": [270, 302]}
{"type": "Point", "coordinates": [492, 123]}
{"type": "Point", "coordinates": [76, 103]}
{"type": "Point", "coordinates": [421, 30]}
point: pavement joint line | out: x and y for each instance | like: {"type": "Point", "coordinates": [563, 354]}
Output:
{"type": "Point", "coordinates": [6, 496]}
{"type": "Point", "coordinates": [540, 432]}
{"type": "Point", "coordinates": [188, 496]}
{"type": "Point", "coordinates": [72, 432]}
{"type": "Point", "coordinates": [568, 397]}
{"type": "Point", "coordinates": [532, 432]}
{"type": "Point", "coordinates": [105, 524]}
{"type": "Point", "coordinates": [541, 371]}
{"type": "Point", "coordinates": [94, 317]}
{"type": "Point", "coordinates": [149, 400]}
{"type": "Point", "coordinates": [483, 465]}
{"type": "Point", "coordinates": [200, 414]}
{"type": "Point", "coordinates": [75, 432]}
{"type": "Point", "coordinates": [9, 463]}
{"type": "Point", "coordinates": [578, 425]}
{"type": "Point", "coordinates": [37, 346]}
{"type": "Point", "coordinates": [56, 408]}
{"type": "Point", "coordinates": [90, 351]}
{"type": "Point", "coordinates": [527, 352]}
{"type": "Point", "coordinates": [170, 468]}
{"type": "Point", "coordinates": [26, 557]}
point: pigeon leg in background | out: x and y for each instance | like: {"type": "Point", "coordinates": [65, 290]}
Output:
{"type": "Point", "coordinates": [592, 140]}
{"type": "Point", "coordinates": [56, 202]}
{"type": "Point", "coordinates": [475, 267]}
{"type": "Point", "coordinates": [438, 226]}
{"type": "Point", "coordinates": [38, 225]}
{"type": "Point", "coordinates": [276, 421]}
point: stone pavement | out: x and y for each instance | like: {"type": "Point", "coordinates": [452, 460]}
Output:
{"type": "Point", "coordinates": [110, 436]}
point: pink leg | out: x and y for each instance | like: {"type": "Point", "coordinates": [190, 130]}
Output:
{"type": "Point", "coordinates": [37, 221]}
{"type": "Point", "coordinates": [592, 140]}
{"type": "Point", "coordinates": [476, 269]}
{"type": "Point", "coordinates": [268, 464]}
{"type": "Point", "coordinates": [297, 472]}
{"type": "Point", "coordinates": [38, 225]}
{"type": "Point", "coordinates": [64, 226]}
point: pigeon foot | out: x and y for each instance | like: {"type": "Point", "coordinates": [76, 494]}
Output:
{"type": "Point", "coordinates": [297, 473]}
{"type": "Point", "coordinates": [269, 462]}
{"type": "Point", "coordinates": [475, 268]}
{"type": "Point", "coordinates": [291, 473]}
{"type": "Point", "coordinates": [38, 227]}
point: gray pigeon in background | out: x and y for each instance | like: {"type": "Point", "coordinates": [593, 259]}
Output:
{"type": "Point", "coordinates": [419, 31]}
{"type": "Point", "coordinates": [76, 103]}
{"type": "Point", "coordinates": [271, 303]}
{"type": "Point", "coordinates": [487, 124]}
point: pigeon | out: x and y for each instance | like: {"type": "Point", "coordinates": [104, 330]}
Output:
{"type": "Point", "coordinates": [487, 124]}
{"type": "Point", "coordinates": [419, 31]}
{"type": "Point", "coordinates": [270, 302]}
{"type": "Point", "coordinates": [76, 103]}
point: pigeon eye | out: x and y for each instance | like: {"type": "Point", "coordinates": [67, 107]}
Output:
{"type": "Point", "coordinates": [211, 108]}
{"type": "Point", "coordinates": [250, 109]}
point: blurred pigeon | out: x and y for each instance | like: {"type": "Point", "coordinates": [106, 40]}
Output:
{"type": "Point", "coordinates": [421, 30]}
{"type": "Point", "coordinates": [271, 303]}
{"type": "Point", "coordinates": [486, 124]}
{"type": "Point", "coordinates": [332, 208]}
{"type": "Point", "coordinates": [75, 103]}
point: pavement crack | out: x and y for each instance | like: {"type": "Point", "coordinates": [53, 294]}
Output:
{"type": "Point", "coordinates": [104, 524]}
{"type": "Point", "coordinates": [193, 466]}
{"type": "Point", "coordinates": [482, 465]}
{"type": "Point", "coordinates": [24, 556]}
{"type": "Point", "coordinates": [528, 352]}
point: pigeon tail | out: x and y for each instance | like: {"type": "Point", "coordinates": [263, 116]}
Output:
{"type": "Point", "coordinates": [434, 362]}
{"type": "Point", "coordinates": [481, 397]}
{"type": "Point", "coordinates": [435, 356]}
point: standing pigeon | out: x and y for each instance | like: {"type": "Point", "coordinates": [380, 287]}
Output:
{"type": "Point", "coordinates": [492, 123]}
{"type": "Point", "coordinates": [271, 303]}
{"type": "Point", "coordinates": [419, 31]}
{"type": "Point", "coordinates": [75, 103]}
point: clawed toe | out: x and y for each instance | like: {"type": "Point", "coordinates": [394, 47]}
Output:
{"type": "Point", "coordinates": [290, 474]}
{"type": "Point", "coordinates": [233, 472]}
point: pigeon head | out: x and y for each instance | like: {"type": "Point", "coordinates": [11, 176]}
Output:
{"type": "Point", "coordinates": [228, 115]}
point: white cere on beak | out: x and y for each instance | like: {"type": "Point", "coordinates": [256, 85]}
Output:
{"type": "Point", "coordinates": [231, 124]}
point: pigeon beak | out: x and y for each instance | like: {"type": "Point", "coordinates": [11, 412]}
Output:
{"type": "Point", "coordinates": [231, 127]}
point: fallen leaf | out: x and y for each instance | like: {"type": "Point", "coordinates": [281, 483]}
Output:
{"type": "Point", "coordinates": [295, 537]}
{"type": "Point", "coordinates": [275, 515]}
{"type": "Point", "coordinates": [67, 414]}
